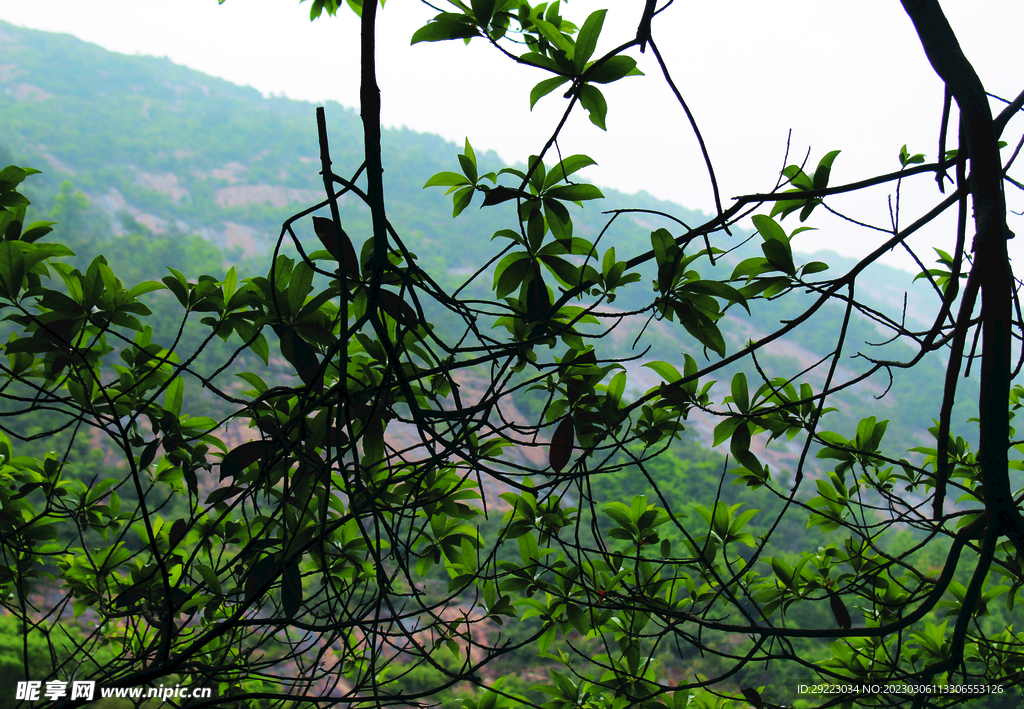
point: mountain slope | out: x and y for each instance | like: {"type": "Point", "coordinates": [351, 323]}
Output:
{"type": "Point", "coordinates": [173, 146]}
{"type": "Point", "coordinates": [161, 149]}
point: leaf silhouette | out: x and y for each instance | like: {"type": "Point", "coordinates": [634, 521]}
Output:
{"type": "Point", "coordinates": [242, 457]}
{"type": "Point", "coordinates": [336, 437]}
{"type": "Point", "coordinates": [149, 453]}
{"type": "Point", "coordinates": [300, 354]}
{"type": "Point", "coordinates": [752, 696]}
{"type": "Point", "coordinates": [839, 610]}
{"type": "Point", "coordinates": [497, 195]}
{"type": "Point", "coordinates": [128, 598]}
{"type": "Point", "coordinates": [191, 480]}
{"type": "Point", "coordinates": [398, 308]}
{"type": "Point", "coordinates": [373, 440]}
{"type": "Point", "coordinates": [223, 493]}
{"type": "Point", "coordinates": [178, 530]}
{"type": "Point", "coordinates": [537, 303]}
{"type": "Point", "coordinates": [339, 246]}
{"type": "Point", "coordinates": [291, 589]}
{"type": "Point", "coordinates": [261, 575]}
{"type": "Point", "coordinates": [177, 599]}
{"type": "Point", "coordinates": [561, 445]}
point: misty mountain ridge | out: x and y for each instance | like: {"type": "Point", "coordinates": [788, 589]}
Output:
{"type": "Point", "coordinates": [160, 148]}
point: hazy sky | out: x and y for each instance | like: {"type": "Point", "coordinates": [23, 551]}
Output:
{"type": "Point", "coordinates": [842, 75]}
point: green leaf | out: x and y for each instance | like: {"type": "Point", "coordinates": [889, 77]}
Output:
{"type": "Point", "coordinates": [717, 289]}
{"type": "Point", "coordinates": [567, 167]}
{"type": "Point", "coordinates": [515, 236]}
{"type": "Point", "coordinates": [907, 159]}
{"type": "Point", "coordinates": [173, 395]}
{"type": "Point", "coordinates": [13, 199]}
{"type": "Point", "coordinates": [461, 200]}
{"type": "Point", "coordinates": [36, 230]}
{"type": "Point", "coordinates": [537, 172]}
{"type": "Point", "coordinates": [373, 442]}
{"type": "Point", "coordinates": [783, 571]}
{"type": "Point", "coordinates": [593, 101]}
{"type": "Point", "coordinates": [255, 381]}
{"type": "Point", "coordinates": [740, 395]}
{"type": "Point", "coordinates": [824, 170]}
{"type": "Point", "coordinates": [558, 219]}
{"type": "Point", "coordinates": [608, 262]}
{"type": "Point", "coordinates": [708, 334]}
{"type": "Point", "coordinates": [175, 283]}
{"type": "Point", "coordinates": [483, 10]}
{"type": "Point", "coordinates": [540, 60]}
{"type": "Point", "coordinates": [575, 193]}
{"type": "Point", "coordinates": [564, 271]}
{"type": "Point", "coordinates": [55, 300]}
{"type": "Point", "coordinates": [617, 386]}
{"type": "Point", "coordinates": [552, 34]}
{"type": "Point", "coordinates": [718, 520]}
{"type": "Point", "coordinates": [468, 167]}
{"type": "Point", "coordinates": [299, 354]}
{"type": "Point", "coordinates": [546, 638]}
{"type": "Point", "coordinates": [786, 206]}
{"type": "Point", "coordinates": [145, 287]}
{"type": "Point", "coordinates": [545, 87]}
{"type": "Point", "coordinates": [12, 269]}
{"type": "Point", "coordinates": [260, 348]}
{"type": "Point", "coordinates": [667, 372]}
{"type": "Point", "coordinates": [535, 229]}
{"type": "Point", "coordinates": [12, 176]}
{"type": "Point", "coordinates": [111, 285]}
{"type": "Point", "coordinates": [446, 179]}
{"type": "Point", "coordinates": [447, 25]}
{"type": "Point", "coordinates": [299, 286]}
{"type": "Point", "coordinates": [586, 38]}
{"type": "Point", "coordinates": [779, 255]}
{"type": "Point", "coordinates": [798, 177]}
{"type": "Point", "coordinates": [210, 578]}
{"type": "Point", "coordinates": [808, 208]}
{"type": "Point", "coordinates": [622, 516]}
{"type": "Point", "coordinates": [740, 442]}
{"type": "Point", "coordinates": [665, 252]}
{"type": "Point", "coordinates": [612, 69]}
{"type": "Point", "coordinates": [769, 228]}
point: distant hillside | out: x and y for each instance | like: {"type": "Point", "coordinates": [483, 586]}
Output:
{"type": "Point", "coordinates": [158, 148]}
{"type": "Point", "coordinates": [172, 146]}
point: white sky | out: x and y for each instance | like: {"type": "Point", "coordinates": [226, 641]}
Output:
{"type": "Point", "coordinates": [849, 76]}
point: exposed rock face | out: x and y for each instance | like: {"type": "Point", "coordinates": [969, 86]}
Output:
{"type": "Point", "coordinates": [242, 195]}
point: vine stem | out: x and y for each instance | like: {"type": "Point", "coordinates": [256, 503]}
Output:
{"type": "Point", "coordinates": [369, 111]}
{"type": "Point", "coordinates": [991, 264]}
